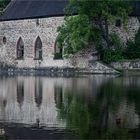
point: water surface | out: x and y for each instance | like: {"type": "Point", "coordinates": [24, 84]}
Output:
{"type": "Point", "coordinates": [83, 107]}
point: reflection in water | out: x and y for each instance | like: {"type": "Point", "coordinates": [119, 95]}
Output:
{"type": "Point", "coordinates": [38, 91]}
{"type": "Point", "coordinates": [20, 98]}
{"type": "Point", "coordinates": [92, 107]}
{"type": "Point", "coordinates": [20, 91]}
{"type": "Point", "coordinates": [58, 93]}
{"type": "Point", "coordinates": [111, 116]}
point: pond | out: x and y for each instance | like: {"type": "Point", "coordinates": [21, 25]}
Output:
{"type": "Point", "coordinates": [80, 107]}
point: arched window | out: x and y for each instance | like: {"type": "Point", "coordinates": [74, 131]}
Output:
{"type": "Point", "coordinates": [4, 40]}
{"type": "Point", "coordinates": [20, 49]}
{"type": "Point", "coordinates": [38, 48]}
{"type": "Point", "coordinates": [118, 23]}
{"type": "Point", "coordinates": [58, 50]}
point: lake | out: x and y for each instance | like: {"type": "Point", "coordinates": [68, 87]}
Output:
{"type": "Point", "coordinates": [80, 107]}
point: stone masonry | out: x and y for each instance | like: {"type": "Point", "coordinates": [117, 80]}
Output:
{"type": "Point", "coordinates": [126, 32]}
{"type": "Point", "coordinates": [46, 29]}
{"type": "Point", "coordinates": [127, 65]}
{"type": "Point", "coordinates": [29, 30]}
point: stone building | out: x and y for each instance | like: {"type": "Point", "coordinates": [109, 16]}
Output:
{"type": "Point", "coordinates": [28, 33]}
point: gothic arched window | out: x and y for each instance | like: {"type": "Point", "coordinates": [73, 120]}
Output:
{"type": "Point", "coordinates": [58, 50]}
{"type": "Point", "coordinates": [20, 49]}
{"type": "Point", "coordinates": [4, 40]}
{"type": "Point", "coordinates": [38, 48]}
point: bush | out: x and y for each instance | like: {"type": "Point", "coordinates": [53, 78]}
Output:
{"type": "Point", "coordinates": [115, 52]}
{"type": "Point", "coordinates": [132, 50]}
{"type": "Point", "coordinates": [58, 56]}
{"type": "Point", "coordinates": [110, 55]}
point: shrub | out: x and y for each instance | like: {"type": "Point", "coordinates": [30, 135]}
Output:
{"type": "Point", "coordinates": [58, 56]}
{"type": "Point", "coordinates": [110, 55]}
{"type": "Point", "coordinates": [132, 50]}
{"type": "Point", "coordinates": [115, 52]}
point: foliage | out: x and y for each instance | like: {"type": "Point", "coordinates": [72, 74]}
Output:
{"type": "Point", "coordinates": [114, 53]}
{"type": "Point", "coordinates": [57, 56]}
{"type": "Point", "coordinates": [111, 55]}
{"type": "Point", "coordinates": [132, 50]}
{"type": "Point", "coordinates": [4, 3]}
{"type": "Point", "coordinates": [90, 26]}
{"type": "Point", "coordinates": [74, 36]}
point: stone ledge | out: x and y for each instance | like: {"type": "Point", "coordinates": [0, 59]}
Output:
{"type": "Point", "coordinates": [57, 70]}
{"type": "Point", "coordinates": [127, 65]}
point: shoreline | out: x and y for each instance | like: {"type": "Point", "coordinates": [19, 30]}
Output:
{"type": "Point", "coordinates": [55, 71]}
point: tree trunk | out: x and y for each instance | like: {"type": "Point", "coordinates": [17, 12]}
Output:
{"type": "Point", "coordinates": [107, 33]}
{"type": "Point", "coordinates": [103, 25]}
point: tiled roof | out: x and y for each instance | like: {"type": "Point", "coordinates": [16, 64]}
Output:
{"type": "Point", "coordinates": [28, 9]}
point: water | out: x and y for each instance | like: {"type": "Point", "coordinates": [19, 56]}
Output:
{"type": "Point", "coordinates": [84, 107]}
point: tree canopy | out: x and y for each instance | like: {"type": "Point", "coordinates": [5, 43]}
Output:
{"type": "Point", "coordinates": [90, 25]}
{"type": "Point", "coordinates": [3, 4]}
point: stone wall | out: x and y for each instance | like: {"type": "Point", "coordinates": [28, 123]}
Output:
{"type": "Point", "coordinates": [127, 65]}
{"type": "Point", "coordinates": [126, 32]}
{"type": "Point", "coordinates": [29, 30]}
{"type": "Point", "coordinates": [46, 29]}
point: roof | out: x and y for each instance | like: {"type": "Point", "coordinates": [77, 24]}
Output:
{"type": "Point", "coordinates": [135, 8]}
{"type": "Point", "coordinates": [29, 9]}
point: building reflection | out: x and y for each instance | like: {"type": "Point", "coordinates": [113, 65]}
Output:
{"type": "Point", "coordinates": [4, 103]}
{"type": "Point", "coordinates": [66, 102]}
{"type": "Point", "coordinates": [20, 91]}
{"type": "Point", "coordinates": [38, 91]}
{"type": "Point", "coordinates": [29, 100]}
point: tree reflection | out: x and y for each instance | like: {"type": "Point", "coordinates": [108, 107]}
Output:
{"type": "Point", "coordinates": [105, 118]}
{"type": "Point", "coordinates": [58, 96]}
{"type": "Point", "coordinates": [133, 94]}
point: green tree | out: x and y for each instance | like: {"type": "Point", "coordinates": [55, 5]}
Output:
{"type": "Point", "coordinates": [91, 24]}
{"type": "Point", "coordinates": [132, 50]}
{"type": "Point", "coordinates": [3, 4]}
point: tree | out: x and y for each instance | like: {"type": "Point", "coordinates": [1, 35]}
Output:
{"type": "Point", "coordinates": [132, 51]}
{"type": "Point", "coordinates": [91, 23]}
{"type": "Point", "coordinates": [3, 4]}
